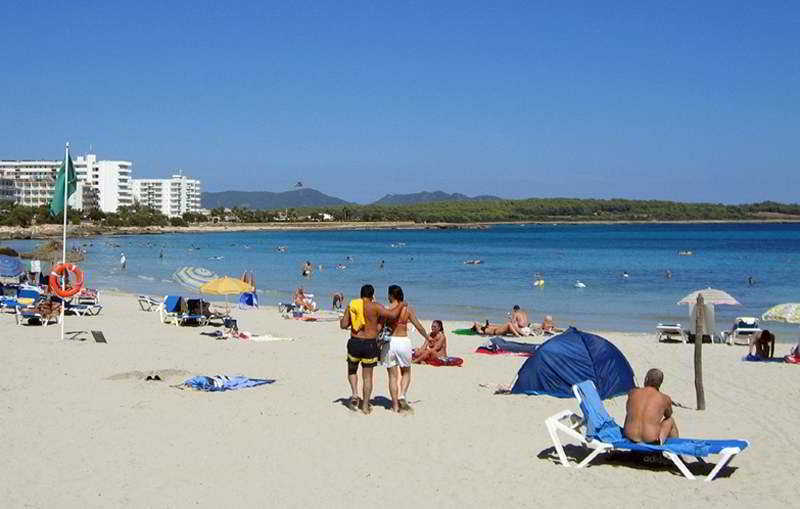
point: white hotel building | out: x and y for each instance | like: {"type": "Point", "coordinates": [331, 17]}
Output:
{"type": "Point", "coordinates": [172, 197]}
{"type": "Point", "coordinates": [105, 185]}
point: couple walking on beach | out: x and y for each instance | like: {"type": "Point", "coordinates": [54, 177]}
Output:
{"type": "Point", "coordinates": [365, 318]}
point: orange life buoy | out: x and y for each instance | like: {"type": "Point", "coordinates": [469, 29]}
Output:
{"type": "Point", "coordinates": [57, 272]}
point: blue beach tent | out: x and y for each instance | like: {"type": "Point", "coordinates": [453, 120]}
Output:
{"type": "Point", "coordinates": [248, 300]}
{"type": "Point", "coordinates": [571, 358]}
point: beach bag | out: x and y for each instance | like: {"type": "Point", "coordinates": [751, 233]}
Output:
{"type": "Point", "coordinates": [384, 339]}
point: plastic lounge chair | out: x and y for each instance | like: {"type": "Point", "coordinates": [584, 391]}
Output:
{"type": "Point", "coordinates": [37, 311]}
{"type": "Point", "coordinates": [84, 309]}
{"type": "Point", "coordinates": [745, 327]}
{"type": "Point", "coordinates": [147, 303]}
{"type": "Point", "coordinates": [603, 434]}
{"type": "Point", "coordinates": [88, 296]}
{"type": "Point", "coordinates": [668, 331]}
{"type": "Point", "coordinates": [9, 303]}
{"type": "Point", "coordinates": [169, 310]}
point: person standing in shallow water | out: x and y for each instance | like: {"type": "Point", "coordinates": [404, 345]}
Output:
{"type": "Point", "coordinates": [361, 317]}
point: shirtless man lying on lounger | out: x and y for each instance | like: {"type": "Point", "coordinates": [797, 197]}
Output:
{"type": "Point", "coordinates": [649, 412]}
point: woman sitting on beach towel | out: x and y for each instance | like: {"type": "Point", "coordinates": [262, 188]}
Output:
{"type": "Point", "coordinates": [436, 348]}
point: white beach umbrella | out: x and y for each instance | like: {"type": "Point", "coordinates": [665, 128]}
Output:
{"type": "Point", "coordinates": [710, 296]}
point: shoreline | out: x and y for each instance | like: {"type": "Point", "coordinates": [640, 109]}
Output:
{"type": "Point", "coordinates": [49, 231]}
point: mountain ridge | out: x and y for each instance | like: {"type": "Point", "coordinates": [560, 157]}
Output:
{"type": "Point", "coordinates": [267, 200]}
{"type": "Point", "coordinates": [428, 197]}
{"type": "Point", "coordinates": [308, 197]}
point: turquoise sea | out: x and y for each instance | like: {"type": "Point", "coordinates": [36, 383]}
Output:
{"type": "Point", "coordinates": [429, 265]}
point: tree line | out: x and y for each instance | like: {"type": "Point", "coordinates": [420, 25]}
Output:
{"type": "Point", "coordinates": [534, 209]}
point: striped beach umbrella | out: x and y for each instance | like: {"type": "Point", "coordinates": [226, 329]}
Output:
{"type": "Point", "coordinates": [788, 312]}
{"type": "Point", "coordinates": [193, 277]}
{"type": "Point", "coordinates": [10, 266]}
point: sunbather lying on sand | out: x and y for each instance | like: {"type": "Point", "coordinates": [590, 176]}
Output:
{"type": "Point", "coordinates": [434, 349]}
{"type": "Point", "coordinates": [513, 327]}
{"type": "Point", "coordinates": [491, 329]}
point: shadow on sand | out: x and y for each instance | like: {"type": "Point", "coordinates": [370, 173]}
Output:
{"type": "Point", "coordinates": [629, 459]}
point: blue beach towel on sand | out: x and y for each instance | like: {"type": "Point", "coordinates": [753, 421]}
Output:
{"type": "Point", "coordinates": [756, 358]}
{"type": "Point", "coordinates": [224, 383]}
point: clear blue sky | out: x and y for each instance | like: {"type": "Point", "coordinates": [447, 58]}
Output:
{"type": "Point", "coordinates": [692, 101]}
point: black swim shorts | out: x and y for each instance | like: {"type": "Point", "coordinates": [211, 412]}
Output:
{"type": "Point", "coordinates": [364, 351]}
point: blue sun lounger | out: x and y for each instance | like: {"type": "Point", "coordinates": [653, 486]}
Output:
{"type": "Point", "coordinates": [170, 311]}
{"type": "Point", "coordinates": [603, 434]}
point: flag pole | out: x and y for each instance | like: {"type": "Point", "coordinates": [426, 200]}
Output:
{"type": "Point", "coordinates": [64, 236]}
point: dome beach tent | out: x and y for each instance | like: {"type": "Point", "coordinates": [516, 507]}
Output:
{"type": "Point", "coordinates": [571, 358]}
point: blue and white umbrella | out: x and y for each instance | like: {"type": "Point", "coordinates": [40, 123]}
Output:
{"type": "Point", "coordinates": [10, 266]}
{"type": "Point", "coordinates": [193, 277]}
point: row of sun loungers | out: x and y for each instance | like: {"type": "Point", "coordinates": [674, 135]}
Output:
{"type": "Point", "coordinates": [743, 329]}
{"type": "Point", "coordinates": [31, 305]}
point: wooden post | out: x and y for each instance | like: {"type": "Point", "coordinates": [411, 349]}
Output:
{"type": "Point", "coordinates": [699, 330]}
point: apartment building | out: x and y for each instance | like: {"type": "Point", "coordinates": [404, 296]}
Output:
{"type": "Point", "coordinates": [101, 184]}
{"type": "Point", "coordinates": [110, 181]}
{"type": "Point", "coordinates": [172, 197]}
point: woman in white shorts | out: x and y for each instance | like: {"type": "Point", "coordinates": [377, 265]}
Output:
{"type": "Point", "coordinates": [397, 354]}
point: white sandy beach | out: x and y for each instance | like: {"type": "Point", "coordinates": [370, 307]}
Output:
{"type": "Point", "coordinates": [78, 432]}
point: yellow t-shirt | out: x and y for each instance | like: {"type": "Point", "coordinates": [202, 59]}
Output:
{"type": "Point", "coordinates": [357, 318]}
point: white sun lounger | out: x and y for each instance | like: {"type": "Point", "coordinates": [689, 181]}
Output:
{"type": "Point", "coordinates": [668, 331]}
{"type": "Point", "coordinates": [596, 418]}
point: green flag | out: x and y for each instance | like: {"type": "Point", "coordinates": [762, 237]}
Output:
{"type": "Point", "coordinates": [67, 178]}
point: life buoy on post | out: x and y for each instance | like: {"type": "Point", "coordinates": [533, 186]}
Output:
{"type": "Point", "coordinates": [57, 272]}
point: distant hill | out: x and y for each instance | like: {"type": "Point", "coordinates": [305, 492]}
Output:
{"type": "Point", "coordinates": [428, 197]}
{"type": "Point", "coordinates": [266, 200]}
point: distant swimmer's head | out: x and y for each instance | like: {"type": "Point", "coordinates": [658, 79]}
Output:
{"type": "Point", "coordinates": [516, 307]}
{"type": "Point", "coordinates": [396, 293]}
{"type": "Point", "coordinates": [654, 378]}
{"type": "Point", "coordinates": [367, 292]}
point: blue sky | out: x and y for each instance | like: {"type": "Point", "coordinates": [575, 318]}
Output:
{"type": "Point", "coordinates": [690, 101]}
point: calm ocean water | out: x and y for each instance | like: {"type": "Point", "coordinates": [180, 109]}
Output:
{"type": "Point", "coordinates": [428, 264]}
